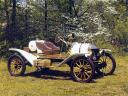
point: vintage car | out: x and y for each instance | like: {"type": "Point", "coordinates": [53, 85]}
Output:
{"type": "Point", "coordinates": [84, 59]}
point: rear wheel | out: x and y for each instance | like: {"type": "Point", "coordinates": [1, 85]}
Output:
{"type": "Point", "coordinates": [16, 65]}
{"type": "Point", "coordinates": [107, 64]}
{"type": "Point", "coordinates": [82, 70]}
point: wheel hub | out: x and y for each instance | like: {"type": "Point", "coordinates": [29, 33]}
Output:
{"type": "Point", "coordinates": [16, 66]}
{"type": "Point", "coordinates": [82, 70]}
{"type": "Point", "coordinates": [102, 65]}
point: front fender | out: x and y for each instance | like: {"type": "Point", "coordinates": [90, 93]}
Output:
{"type": "Point", "coordinates": [28, 56]}
{"type": "Point", "coordinates": [103, 51]}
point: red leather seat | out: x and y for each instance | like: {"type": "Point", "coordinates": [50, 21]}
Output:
{"type": "Point", "coordinates": [52, 46]}
{"type": "Point", "coordinates": [47, 47]}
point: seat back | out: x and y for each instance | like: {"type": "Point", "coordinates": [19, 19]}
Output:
{"type": "Point", "coordinates": [52, 46]}
{"type": "Point", "coordinates": [44, 48]}
{"type": "Point", "coordinates": [47, 47]}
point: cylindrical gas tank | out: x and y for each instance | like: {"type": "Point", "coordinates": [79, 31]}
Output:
{"type": "Point", "coordinates": [32, 45]}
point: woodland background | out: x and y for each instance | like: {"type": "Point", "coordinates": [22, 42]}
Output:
{"type": "Point", "coordinates": [103, 22]}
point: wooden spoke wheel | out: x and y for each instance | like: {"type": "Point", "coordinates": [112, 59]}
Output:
{"type": "Point", "coordinates": [82, 70]}
{"type": "Point", "coordinates": [107, 64]}
{"type": "Point", "coordinates": [16, 65]}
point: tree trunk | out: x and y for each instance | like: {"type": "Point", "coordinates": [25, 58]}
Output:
{"type": "Point", "coordinates": [13, 31]}
{"type": "Point", "coordinates": [26, 24]}
{"type": "Point", "coordinates": [46, 19]}
{"type": "Point", "coordinates": [7, 20]}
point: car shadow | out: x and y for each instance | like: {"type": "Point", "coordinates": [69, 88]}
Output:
{"type": "Point", "coordinates": [56, 75]}
{"type": "Point", "coordinates": [50, 74]}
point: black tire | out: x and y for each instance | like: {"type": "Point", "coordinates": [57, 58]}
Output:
{"type": "Point", "coordinates": [104, 70]}
{"type": "Point", "coordinates": [86, 70]}
{"type": "Point", "coordinates": [16, 62]}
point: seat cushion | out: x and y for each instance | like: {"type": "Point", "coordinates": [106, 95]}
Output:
{"type": "Point", "coordinates": [43, 47]}
{"type": "Point", "coordinates": [47, 47]}
{"type": "Point", "coordinates": [52, 46]}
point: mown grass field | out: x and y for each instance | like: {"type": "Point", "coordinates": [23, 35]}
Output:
{"type": "Point", "coordinates": [58, 83]}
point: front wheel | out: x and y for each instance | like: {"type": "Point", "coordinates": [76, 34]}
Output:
{"type": "Point", "coordinates": [107, 64]}
{"type": "Point", "coordinates": [82, 70]}
{"type": "Point", "coordinates": [16, 65]}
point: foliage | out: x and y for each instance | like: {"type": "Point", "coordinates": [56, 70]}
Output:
{"type": "Point", "coordinates": [120, 30]}
{"type": "Point", "coordinates": [91, 21]}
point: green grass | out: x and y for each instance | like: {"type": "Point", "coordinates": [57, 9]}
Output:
{"type": "Point", "coordinates": [57, 85]}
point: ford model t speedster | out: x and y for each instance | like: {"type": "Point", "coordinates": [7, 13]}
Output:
{"type": "Point", "coordinates": [84, 59]}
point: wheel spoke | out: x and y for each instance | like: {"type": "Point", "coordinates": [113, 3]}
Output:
{"type": "Point", "coordinates": [83, 62]}
{"type": "Point", "coordinates": [78, 74]}
{"type": "Point", "coordinates": [77, 69]}
{"type": "Point", "coordinates": [77, 65]}
{"type": "Point", "coordinates": [80, 63]}
{"type": "Point", "coordinates": [108, 69]}
{"type": "Point", "coordinates": [84, 76]}
{"type": "Point", "coordinates": [15, 71]}
{"type": "Point", "coordinates": [104, 69]}
{"type": "Point", "coordinates": [87, 74]}
{"type": "Point", "coordinates": [104, 58]}
{"type": "Point", "coordinates": [88, 66]}
{"type": "Point", "coordinates": [81, 76]}
{"type": "Point", "coordinates": [89, 71]}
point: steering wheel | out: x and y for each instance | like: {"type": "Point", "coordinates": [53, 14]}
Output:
{"type": "Point", "coordinates": [58, 38]}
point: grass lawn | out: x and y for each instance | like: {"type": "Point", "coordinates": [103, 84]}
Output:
{"type": "Point", "coordinates": [58, 83]}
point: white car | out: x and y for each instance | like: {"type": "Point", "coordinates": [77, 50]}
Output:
{"type": "Point", "coordinates": [84, 59]}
